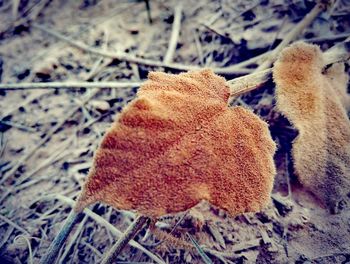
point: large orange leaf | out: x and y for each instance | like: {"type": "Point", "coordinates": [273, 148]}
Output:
{"type": "Point", "coordinates": [314, 102]}
{"type": "Point", "coordinates": [178, 143]}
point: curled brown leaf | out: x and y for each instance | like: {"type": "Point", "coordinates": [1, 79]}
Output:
{"type": "Point", "coordinates": [179, 143]}
{"type": "Point", "coordinates": [314, 100]}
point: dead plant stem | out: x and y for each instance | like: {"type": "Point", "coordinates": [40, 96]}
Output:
{"type": "Point", "coordinates": [52, 253]}
{"type": "Point", "coordinates": [129, 234]}
{"type": "Point", "coordinates": [175, 32]}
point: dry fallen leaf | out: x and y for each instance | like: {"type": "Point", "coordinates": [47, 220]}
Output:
{"type": "Point", "coordinates": [179, 143]}
{"type": "Point", "coordinates": [314, 102]}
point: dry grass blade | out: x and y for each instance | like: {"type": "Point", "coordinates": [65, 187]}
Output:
{"type": "Point", "coordinates": [250, 82]}
{"type": "Point", "coordinates": [6, 236]}
{"type": "Point", "coordinates": [73, 240]}
{"type": "Point", "coordinates": [129, 234]}
{"type": "Point", "coordinates": [68, 85]}
{"type": "Point", "coordinates": [15, 5]}
{"type": "Point", "coordinates": [174, 34]}
{"type": "Point", "coordinates": [327, 38]}
{"type": "Point", "coordinates": [11, 223]}
{"type": "Point", "coordinates": [338, 53]}
{"type": "Point", "coordinates": [294, 33]}
{"type": "Point", "coordinates": [59, 240]}
{"type": "Point", "coordinates": [109, 226]}
{"type": "Point", "coordinates": [201, 252]}
{"type": "Point", "coordinates": [19, 126]}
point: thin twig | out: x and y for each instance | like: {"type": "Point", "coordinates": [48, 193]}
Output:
{"type": "Point", "coordinates": [198, 47]}
{"type": "Point", "coordinates": [129, 234]}
{"type": "Point", "coordinates": [11, 223]}
{"type": "Point", "coordinates": [62, 236]}
{"type": "Point", "coordinates": [217, 32]}
{"type": "Point", "coordinates": [338, 53]}
{"type": "Point", "coordinates": [18, 126]}
{"type": "Point", "coordinates": [148, 7]}
{"type": "Point", "coordinates": [201, 252]}
{"type": "Point", "coordinates": [214, 18]}
{"type": "Point", "coordinates": [73, 240]}
{"type": "Point", "coordinates": [102, 62]}
{"type": "Point", "coordinates": [75, 248]}
{"type": "Point", "coordinates": [257, 3]}
{"type": "Point", "coordinates": [175, 32]}
{"type": "Point", "coordinates": [5, 6]}
{"type": "Point", "coordinates": [240, 65]}
{"type": "Point", "coordinates": [68, 85]}
{"type": "Point", "coordinates": [250, 82]}
{"type": "Point", "coordinates": [33, 182]}
{"type": "Point", "coordinates": [127, 57]}
{"type": "Point", "coordinates": [55, 156]}
{"type": "Point", "coordinates": [328, 38]}
{"type": "Point", "coordinates": [292, 35]}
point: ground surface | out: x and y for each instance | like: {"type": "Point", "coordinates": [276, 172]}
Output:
{"type": "Point", "coordinates": [293, 229]}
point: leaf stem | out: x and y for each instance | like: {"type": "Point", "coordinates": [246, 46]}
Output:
{"type": "Point", "coordinates": [129, 234]}
{"type": "Point", "coordinates": [52, 253]}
